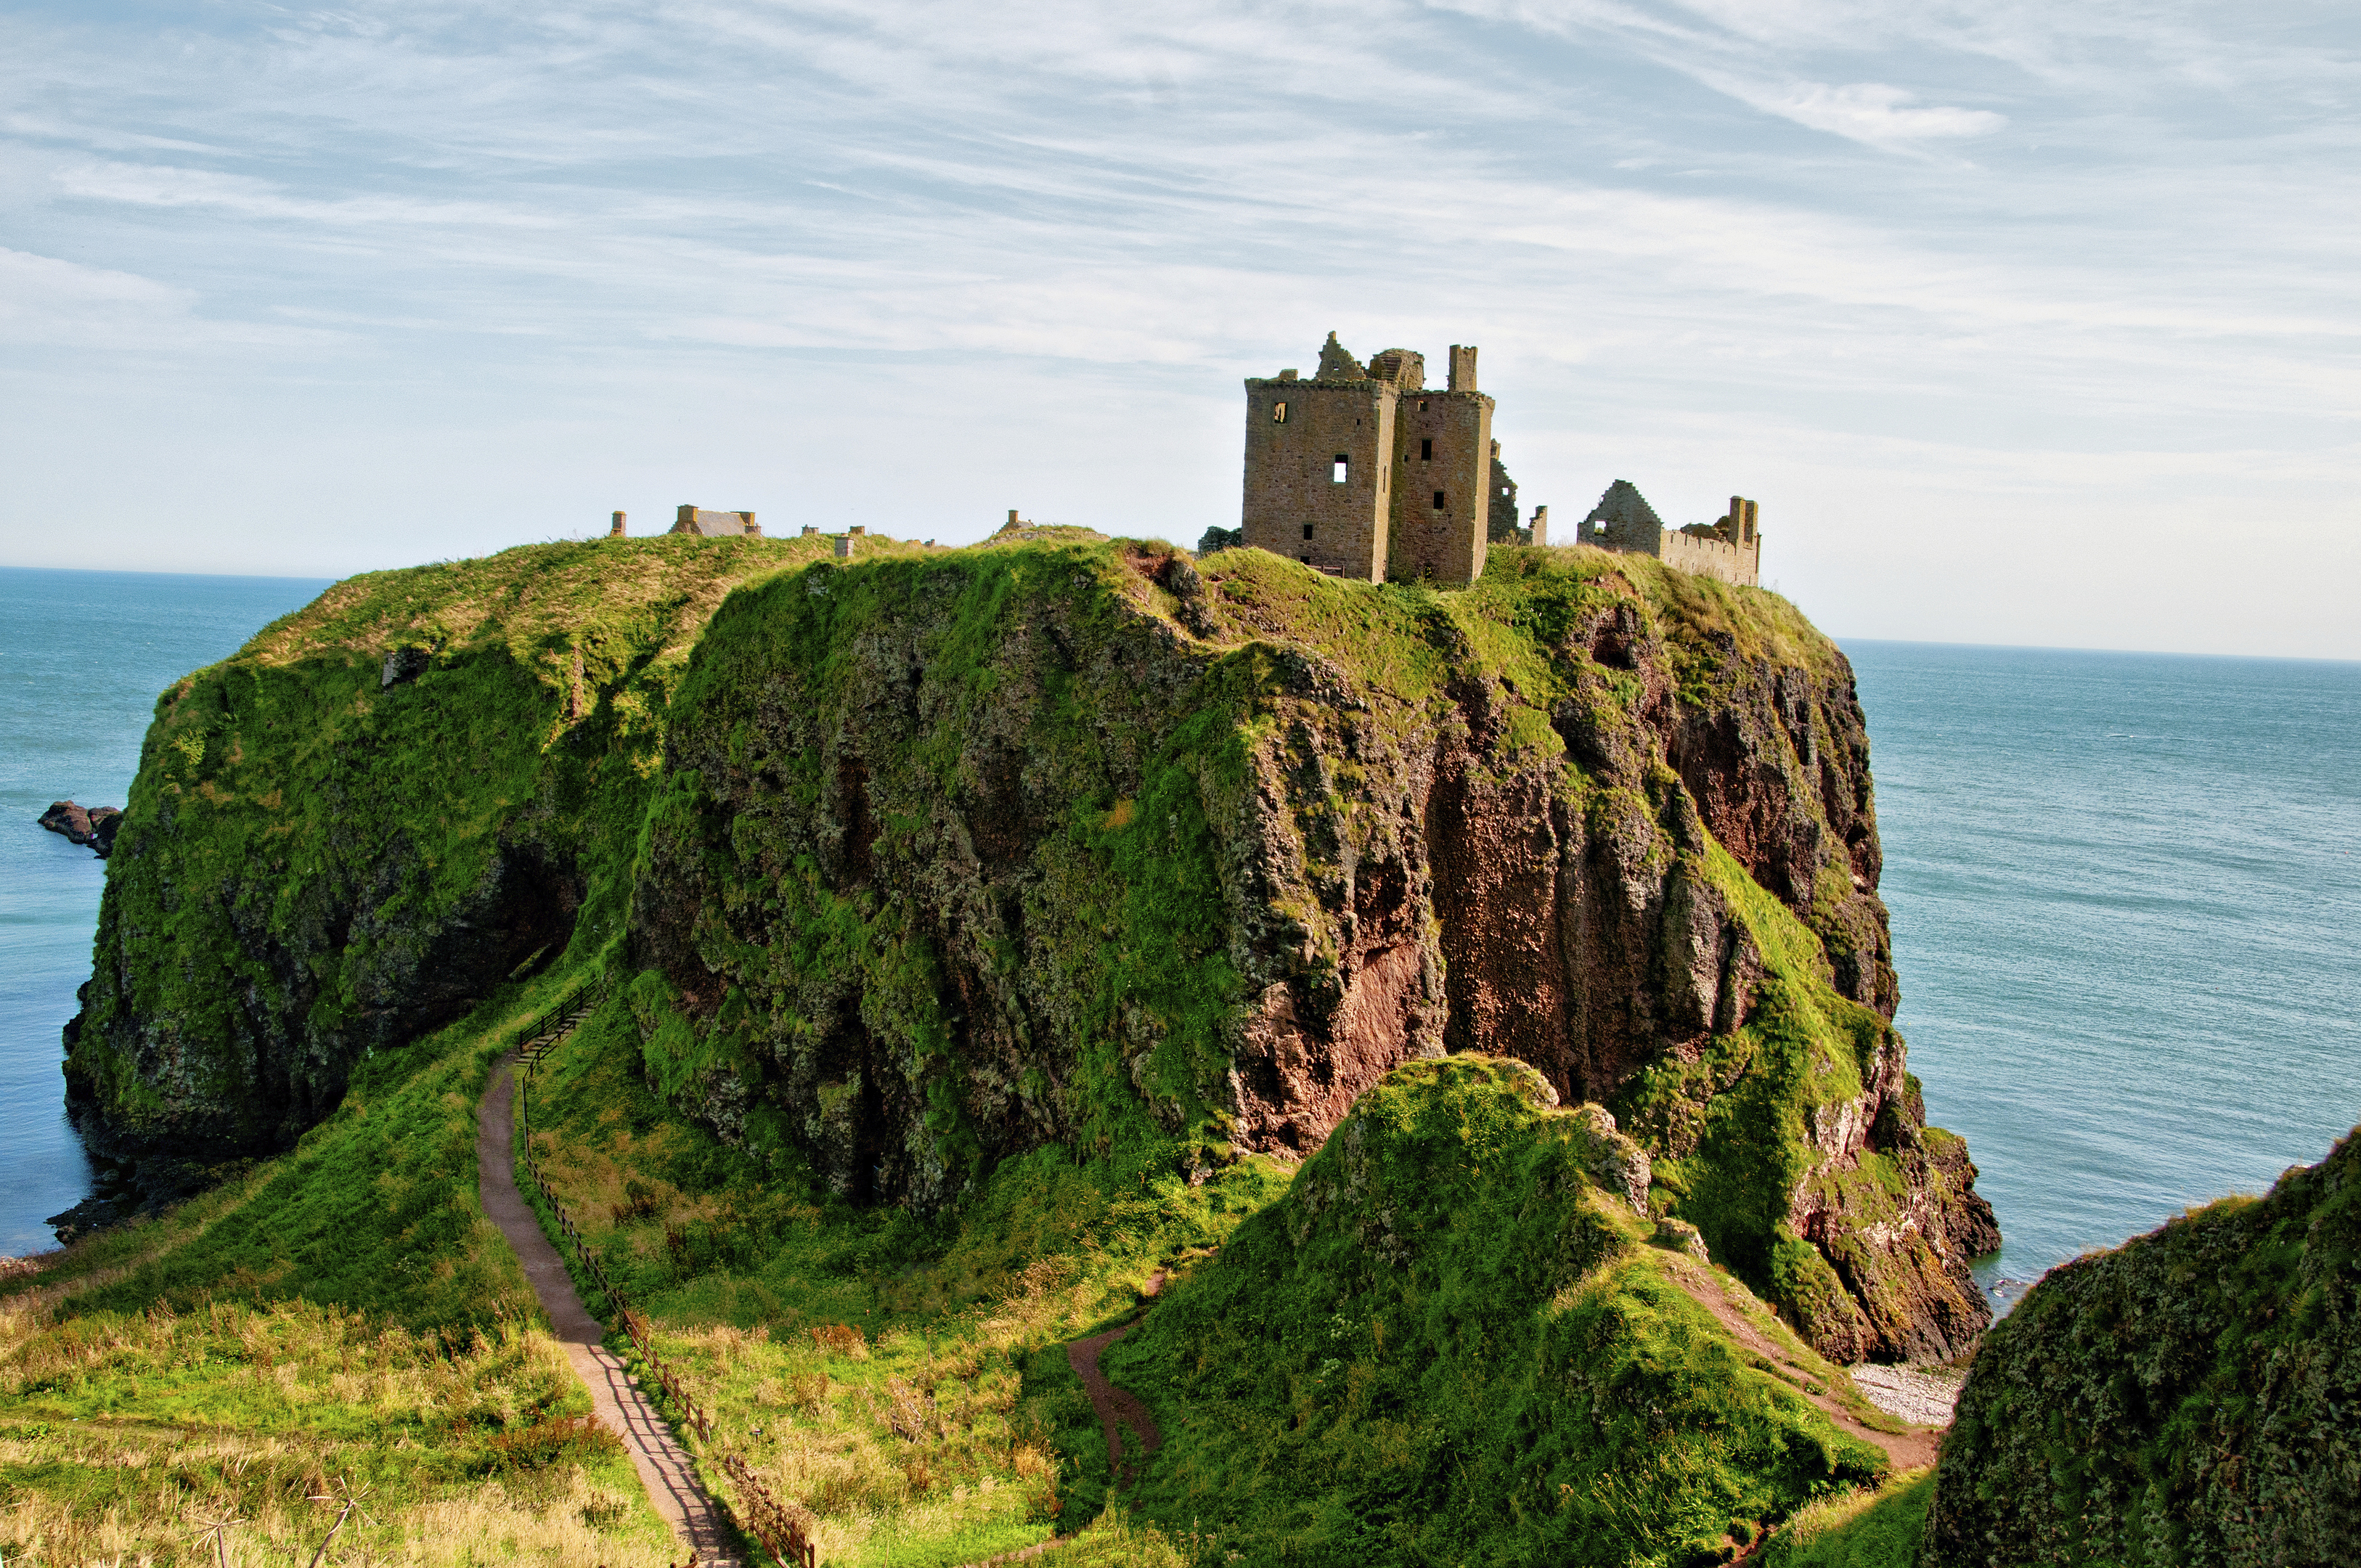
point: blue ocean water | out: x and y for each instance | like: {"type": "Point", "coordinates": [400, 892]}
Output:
{"type": "Point", "coordinates": [2125, 893]}
{"type": "Point", "coordinates": [83, 658]}
{"type": "Point", "coordinates": [2125, 887]}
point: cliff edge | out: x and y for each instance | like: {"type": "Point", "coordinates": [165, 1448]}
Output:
{"type": "Point", "coordinates": [1060, 841]}
{"type": "Point", "coordinates": [934, 857]}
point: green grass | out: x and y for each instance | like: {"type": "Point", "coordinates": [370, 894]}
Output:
{"type": "Point", "coordinates": [1879, 1529]}
{"type": "Point", "coordinates": [340, 1315]}
{"type": "Point", "coordinates": [932, 1419]}
{"type": "Point", "coordinates": [297, 838]}
{"type": "Point", "coordinates": [1446, 1345]}
{"type": "Point", "coordinates": [2185, 1397]}
{"type": "Point", "coordinates": [1497, 1370]}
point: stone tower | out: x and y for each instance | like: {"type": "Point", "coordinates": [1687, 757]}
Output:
{"type": "Point", "coordinates": [1366, 472]}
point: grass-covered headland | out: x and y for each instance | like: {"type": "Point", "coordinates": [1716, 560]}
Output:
{"type": "Point", "coordinates": [999, 935]}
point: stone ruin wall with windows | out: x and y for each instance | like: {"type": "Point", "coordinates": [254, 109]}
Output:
{"type": "Point", "coordinates": [1730, 548]}
{"type": "Point", "coordinates": [1365, 471]}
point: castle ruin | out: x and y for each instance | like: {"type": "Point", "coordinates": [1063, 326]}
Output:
{"type": "Point", "coordinates": [1366, 472]}
{"type": "Point", "coordinates": [1730, 548]}
{"type": "Point", "coordinates": [707, 524]}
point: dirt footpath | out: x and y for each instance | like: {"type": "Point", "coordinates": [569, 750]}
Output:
{"type": "Point", "coordinates": [1908, 1451]}
{"type": "Point", "coordinates": [664, 1467]}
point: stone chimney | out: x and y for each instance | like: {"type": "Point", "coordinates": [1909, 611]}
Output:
{"type": "Point", "coordinates": [617, 531]}
{"type": "Point", "coordinates": [1462, 368]}
{"type": "Point", "coordinates": [1541, 525]}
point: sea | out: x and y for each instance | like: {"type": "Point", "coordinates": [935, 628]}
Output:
{"type": "Point", "coordinates": [83, 656]}
{"type": "Point", "coordinates": [2125, 888]}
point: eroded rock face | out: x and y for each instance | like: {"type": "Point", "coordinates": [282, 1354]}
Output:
{"type": "Point", "coordinates": [377, 813]}
{"type": "Point", "coordinates": [987, 859]}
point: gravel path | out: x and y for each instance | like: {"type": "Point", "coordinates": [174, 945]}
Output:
{"type": "Point", "coordinates": [662, 1464]}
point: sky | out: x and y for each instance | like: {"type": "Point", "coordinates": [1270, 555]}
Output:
{"type": "Point", "coordinates": [2024, 323]}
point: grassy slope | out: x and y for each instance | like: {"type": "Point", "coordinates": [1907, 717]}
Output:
{"type": "Point", "coordinates": [1879, 1529]}
{"type": "Point", "coordinates": [2187, 1397]}
{"type": "Point", "coordinates": [960, 1429]}
{"type": "Point", "coordinates": [344, 1311]}
{"type": "Point", "coordinates": [1124, 919]}
{"type": "Point", "coordinates": [1447, 1346]}
{"type": "Point", "coordinates": [934, 1421]}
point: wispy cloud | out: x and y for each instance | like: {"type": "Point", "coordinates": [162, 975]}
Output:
{"type": "Point", "coordinates": [1869, 112]}
{"type": "Point", "coordinates": [2104, 229]}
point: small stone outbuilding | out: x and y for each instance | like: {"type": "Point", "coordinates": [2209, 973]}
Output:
{"type": "Point", "coordinates": [714, 524]}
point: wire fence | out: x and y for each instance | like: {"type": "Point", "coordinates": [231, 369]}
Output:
{"type": "Point", "coordinates": [759, 1514]}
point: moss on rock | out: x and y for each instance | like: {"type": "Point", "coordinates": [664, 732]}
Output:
{"type": "Point", "coordinates": [1446, 1344]}
{"type": "Point", "coordinates": [935, 858]}
{"type": "Point", "coordinates": [2186, 1398]}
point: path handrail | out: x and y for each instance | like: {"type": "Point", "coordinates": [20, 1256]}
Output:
{"type": "Point", "coordinates": [776, 1530]}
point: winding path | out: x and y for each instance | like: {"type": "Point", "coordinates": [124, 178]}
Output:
{"type": "Point", "coordinates": [1117, 1408]}
{"type": "Point", "coordinates": [1909, 1449]}
{"type": "Point", "coordinates": [663, 1464]}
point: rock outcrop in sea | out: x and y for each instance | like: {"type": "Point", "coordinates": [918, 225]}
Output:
{"type": "Point", "coordinates": [93, 826]}
{"type": "Point", "coordinates": [936, 857]}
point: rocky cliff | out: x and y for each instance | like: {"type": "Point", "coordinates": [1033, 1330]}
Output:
{"type": "Point", "coordinates": [381, 808]}
{"type": "Point", "coordinates": [2186, 1398]}
{"type": "Point", "coordinates": [1058, 840]}
{"type": "Point", "coordinates": [936, 856]}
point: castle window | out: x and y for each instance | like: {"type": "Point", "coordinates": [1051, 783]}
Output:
{"type": "Point", "coordinates": [1307, 534]}
{"type": "Point", "coordinates": [1422, 405]}
{"type": "Point", "coordinates": [1438, 501]}
{"type": "Point", "coordinates": [1342, 469]}
{"type": "Point", "coordinates": [1425, 450]}
{"type": "Point", "coordinates": [1278, 413]}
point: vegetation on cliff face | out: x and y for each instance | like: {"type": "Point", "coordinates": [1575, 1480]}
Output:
{"type": "Point", "coordinates": [903, 1377]}
{"type": "Point", "coordinates": [2186, 1398]}
{"type": "Point", "coordinates": [1075, 842]}
{"type": "Point", "coordinates": [365, 821]}
{"type": "Point", "coordinates": [939, 858]}
{"type": "Point", "coordinates": [1448, 1344]}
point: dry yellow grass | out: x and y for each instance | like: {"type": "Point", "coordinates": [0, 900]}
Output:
{"type": "Point", "coordinates": [122, 1434]}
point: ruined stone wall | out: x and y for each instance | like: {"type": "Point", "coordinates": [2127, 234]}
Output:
{"type": "Point", "coordinates": [1739, 564]}
{"type": "Point", "coordinates": [713, 524]}
{"type": "Point", "coordinates": [1443, 448]}
{"type": "Point", "coordinates": [1293, 505]}
{"type": "Point", "coordinates": [1503, 503]}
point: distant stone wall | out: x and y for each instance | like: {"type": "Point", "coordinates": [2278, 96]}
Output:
{"type": "Point", "coordinates": [1730, 549]}
{"type": "Point", "coordinates": [1711, 557]}
{"type": "Point", "coordinates": [714, 524]}
{"type": "Point", "coordinates": [1503, 529]}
